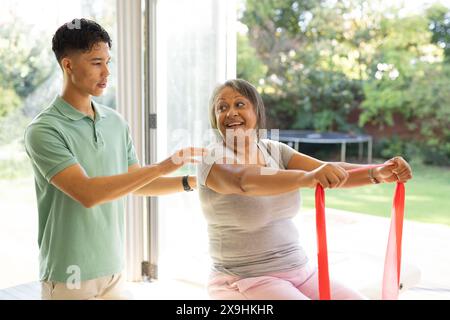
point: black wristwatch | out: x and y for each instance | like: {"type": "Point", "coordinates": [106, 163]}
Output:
{"type": "Point", "coordinates": [186, 185]}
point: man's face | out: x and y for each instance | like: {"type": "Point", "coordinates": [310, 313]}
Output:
{"type": "Point", "coordinates": [88, 71]}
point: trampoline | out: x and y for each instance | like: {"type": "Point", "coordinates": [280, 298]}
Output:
{"type": "Point", "coordinates": [294, 137]}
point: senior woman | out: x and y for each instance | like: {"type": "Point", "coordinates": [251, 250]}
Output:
{"type": "Point", "coordinates": [249, 193]}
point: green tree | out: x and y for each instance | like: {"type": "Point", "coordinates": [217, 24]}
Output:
{"type": "Point", "coordinates": [408, 78]}
{"type": "Point", "coordinates": [249, 66]}
{"type": "Point", "coordinates": [430, 102]}
{"type": "Point", "coordinates": [8, 101]}
{"type": "Point", "coordinates": [399, 59]}
{"type": "Point", "coordinates": [324, 61]}
{"type": "Point", "coordinates": [24, 65]}
{"type": "Point", "coordinates": [439, 24]}
{"type": "Point", "coordinates": [299, 42]}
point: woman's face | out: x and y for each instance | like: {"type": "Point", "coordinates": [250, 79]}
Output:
{"type": "Point", "coordinates": [234, 112]}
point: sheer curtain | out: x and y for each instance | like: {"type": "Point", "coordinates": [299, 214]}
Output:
{"type": "Point", "coordinates": [194, 53]}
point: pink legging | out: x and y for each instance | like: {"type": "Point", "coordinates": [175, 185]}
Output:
{"type": "Point", "coordinates": [297, 284]}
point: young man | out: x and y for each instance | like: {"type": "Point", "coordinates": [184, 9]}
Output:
{"type": "Point", "coordinates": [84, 164]}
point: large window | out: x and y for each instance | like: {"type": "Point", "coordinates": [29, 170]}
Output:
{"type": "Point", "coordinates": [377, 67]}
{"type": "Point", "coordinates": [193, 55]}
{"type": "Point", "coordinates": [29, 79]}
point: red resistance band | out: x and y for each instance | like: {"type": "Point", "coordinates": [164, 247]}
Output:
{"type": "Point", "coordinates": [391, 276]}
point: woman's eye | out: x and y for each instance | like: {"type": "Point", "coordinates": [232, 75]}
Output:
{"type": "Point", "coordinates": [240, 104]}
{"type": "Point", "coordinates": [221, 108]}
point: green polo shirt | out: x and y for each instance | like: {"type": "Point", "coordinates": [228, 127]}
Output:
{"type": "Point", "coordinates": [75, 241]}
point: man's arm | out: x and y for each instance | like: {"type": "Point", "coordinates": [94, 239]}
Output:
{"type": "Point", "coordinates": [94, 191]}
{"type": "Point", "coordinates": [162, 185]}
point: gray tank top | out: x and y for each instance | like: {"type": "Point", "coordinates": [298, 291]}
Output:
{"type": "Point", "coordinates": [251, 236]}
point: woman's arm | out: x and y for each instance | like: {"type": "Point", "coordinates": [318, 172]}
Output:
{"type": "Point", "coordinates": [255, 180]}
{"type": "Point", "coordinates": [302, 171]}
{"type": "Point", "coordinates": [252, 180]}
{"type": "Point", "coordinates": [300, 161]}
{"type": "Point", "coordinates": [397, 169]}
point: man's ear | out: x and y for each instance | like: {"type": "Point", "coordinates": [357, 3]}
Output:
{"type": "Point", "coordinates": [66, 65]}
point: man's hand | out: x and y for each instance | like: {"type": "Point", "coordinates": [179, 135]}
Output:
{"type": "Point", "coordinates": [180, 158]}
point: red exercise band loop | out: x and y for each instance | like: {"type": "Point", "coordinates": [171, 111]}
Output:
{"type": "Point", "coordinates": [391, 275]}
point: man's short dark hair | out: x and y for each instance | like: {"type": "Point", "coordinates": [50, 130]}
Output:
{"type": "Point", "coordinates": [78, 35]}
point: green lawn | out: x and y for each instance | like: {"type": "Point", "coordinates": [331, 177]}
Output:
{"type": "Point", "coordinates": [427, 196]}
